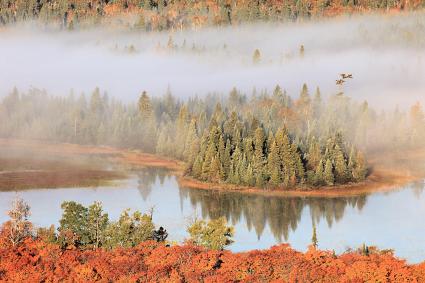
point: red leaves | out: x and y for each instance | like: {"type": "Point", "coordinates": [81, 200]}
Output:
{"type": "Point", "coordinates": [37, 261]}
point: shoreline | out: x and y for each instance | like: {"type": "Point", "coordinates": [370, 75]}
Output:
{"type": "Point", "coordinates": [350, 189]}
{"type": "Point", "coordinates": [388, 171]}
{"type": "Point", "coordinates": [381, 179]}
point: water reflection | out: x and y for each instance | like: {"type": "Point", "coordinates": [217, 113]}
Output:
{"type": "Point", "coordinates": [282, 214]}
{"type": "Point", "coordinates": [388, 220]}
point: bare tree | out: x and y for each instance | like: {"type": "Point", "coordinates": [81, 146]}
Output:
{"type": "Point", "coordinates": [18, 226]}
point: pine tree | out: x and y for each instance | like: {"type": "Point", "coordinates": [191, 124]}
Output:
{"type": "Point", "coordinates": [328, 174]}
{"type": "Point", "coordinates": [299, 166]}
{"type": "Point", "coordinates": [74, 223]}
{"type": "Point", "coordinates": [226, 159]}
{"type": "Point", "coordinates": [214, 170]}
{"type": "Point", "coordinates": [341, 172]}
{"type": "Point", "coordinates": [181, 135]}
{"type": "Point", "coordinates": [278, 94]}
{"type": "Point", "coordinates": [270, 141]}
{"type": "Point", "coordinates": [304, 96]}
{"type": "Point", "coordinates": [286, 156]}
{"type": "Point", "coordinates": [249, 177]}
{"type": "Point", "coordinates": [221, 148]}
{"type": "Point", "coordinates": [319, 174]}
{"type": "Point", "coordinates": [259, 161]}
{"type": "Point", "coordinates": [274, 168]}
{"type": "Point", "coordinates": [97, 222]}
{"type": "Point", "coordinates": [145, 106]}
{"type": "Point", "coordinates": [360, 168]}
{"type": "Point", "coordinates": [317, 103]}
{"type": "Point", "coordinates": [235, 176]}
{"type": "Point", "coordinates": [197, 167]}
{"type": "Point", "coordinates": [161, 142]}
{"type": "Point", "coordinates": [191, 137]}
{"type": "Point", "coordinates": [256, 57]}
{"type": "Point", "coordinates": [314, 155]}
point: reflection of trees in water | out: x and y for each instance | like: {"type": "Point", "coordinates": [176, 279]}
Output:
{"type": "Point", "coordinates": [418, 188]}
{"type": "Point", "coordinates": [332, 209]}
{"type": "Point", "coordinates": [147, 178]}
{"type": "Point", "coordinates": [282, 214]}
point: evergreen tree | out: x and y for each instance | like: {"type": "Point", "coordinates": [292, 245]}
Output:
{"type": "Point", "coordinates": [259, 162]}
{"type": "Point", "coordinates": [328, 174]}
{"type": "Point", "coordinates": [197, 167]}
{"type": "Point", "coordinates": [319, 174]}
{"type": "Point", "coordinates": [302, 51]}
{"type": "Point", "coordinates": [73, 229]}
{"type": "Point", "coordinates": [341, 172]}
{"type": "Point", "coordinates": [360, 168]}
{"type": "Point", "coordinates": [274, 165]}
{"type": "Point", "coordinates": [97, 222]}
{"type": "Point", "coordinates": [214, 171]}
{"type": "Point", "coordinates": [226, 159]}
{"type": "Point", "coordinates": [214, 234]}
{"type": "Point", "coordinates": [317, 103]}
{"type": "Point", "coordinates": [256, 57]}
{"type": "Point", "coordinates": [191, 137]}
{"type": "Point", "coordinates": [298, 163]}
{"type": "Point", "coordinates": [129, 230]}
{"type": "Point", "coordinates": [314, 155]}
{"type": "Point", "coordinates": [145, 106]}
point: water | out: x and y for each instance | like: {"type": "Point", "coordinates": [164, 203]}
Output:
{"type": "Point", "coordinates": [391, 220]}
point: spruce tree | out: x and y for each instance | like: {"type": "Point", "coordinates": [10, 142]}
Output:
{"type": "Point", "coordinates": [226, 159]}
{"type": "Point", "coordinates": [298, 163]}
{"type": "Point", "coordinates": [328, 174]}
{"type": "Point", "coordinates": [319, 174]}
{"type": "Point", "coordinates": [341, 172]}
{"type": "Point", "coordinates": [360, 168]}
{"type": "Point", "coordinates": [191, 138]}
{"type": "Point", "coordinates": [314, 155]}
{"type": "Point", "coordinates": [197, 167]}
{"type": "Point", "coordinates": [259, 162]}
{"type": "Point", "coordinates": [97, 222]}
{"type": "Point", "coordinates": [145, 106]}
{"type": "Point", "coordinates": [256, 57]}
{"type": "Point", "coordinates": [214, 170]}
{"type": "Point", "coordinates": [274, 167]}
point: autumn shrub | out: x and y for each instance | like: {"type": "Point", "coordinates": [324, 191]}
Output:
{"type": "Point", "coordinates": [37, 261]}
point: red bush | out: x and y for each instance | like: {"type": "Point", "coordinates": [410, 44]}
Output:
{"type": "Point", "coordinates": [37, 261]}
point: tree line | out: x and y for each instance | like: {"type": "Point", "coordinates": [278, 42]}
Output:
{"type": "Point", "coordinates": [178, 14]}
{"type": "Point", "coordinates": [89, 227]}
{"type": "Point", "coordinates": [264, 139]}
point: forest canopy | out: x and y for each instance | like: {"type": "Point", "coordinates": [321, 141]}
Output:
{"type": "Point", "coordinates": [179, 14]}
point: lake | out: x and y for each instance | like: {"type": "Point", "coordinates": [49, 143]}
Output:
{"type": "Point", "coordinates": [388, 220]}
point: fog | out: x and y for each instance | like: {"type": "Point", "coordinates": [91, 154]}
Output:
{"type": "Point", "coordinates": [385, 54]}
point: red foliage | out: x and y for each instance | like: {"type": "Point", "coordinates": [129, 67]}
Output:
{"type": "Point", "coordinates": [37, 261]}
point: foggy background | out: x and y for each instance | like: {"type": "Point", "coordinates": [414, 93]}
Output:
{"type": "Point", "coordinates": [385, 54]}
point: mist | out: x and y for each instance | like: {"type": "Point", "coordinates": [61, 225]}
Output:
{"type": "Point", "coordinates": [385, 54]}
